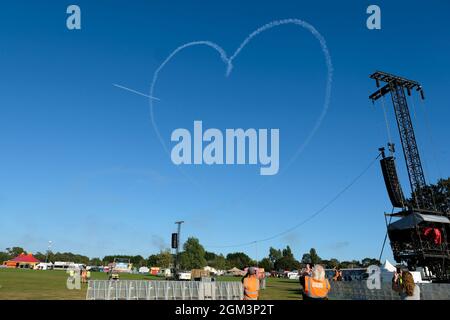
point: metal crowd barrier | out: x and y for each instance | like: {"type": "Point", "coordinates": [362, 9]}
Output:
{"type": "Point", "coordinates": [435, 291]}
{"type": "Point", "coordinates": [163, 290]}
{"type": "Point", "coordinates": [358, 290]}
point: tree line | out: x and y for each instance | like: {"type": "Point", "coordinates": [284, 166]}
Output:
{"type": "Point", "coordinates": [194, 256]}
{"type": "Point", "coordinates": [437, 194]}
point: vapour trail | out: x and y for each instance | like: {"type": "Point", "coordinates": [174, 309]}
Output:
{"type": "Point", "coordinates": [134, 91]}
{"type": "Point", "coordinates": [224, 58]}
{"type": "Point", "coordinates": [229, 67]}
{"type": "Point", "coordinates": [328, 62]}
{"type": "Point", "coordinates": [229, 64]}
{"type": "Point", "coordinates": [216, 47]}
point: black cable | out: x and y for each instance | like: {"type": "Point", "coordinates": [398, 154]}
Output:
{"type": "Point", "coordinates": [331, 201]}
{"type": "Point", "coordinates": [385, 236]}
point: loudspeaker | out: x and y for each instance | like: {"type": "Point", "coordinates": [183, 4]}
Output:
{"type": "Point", "coordinates": [174, 240]}
{"type": "Point", "coordinates": [393, 186]}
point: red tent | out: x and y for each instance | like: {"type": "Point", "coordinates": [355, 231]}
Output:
{"type": "Point", "coordinates": [25, 258]}
{"type": "Point", "coordinates": [22, 260]}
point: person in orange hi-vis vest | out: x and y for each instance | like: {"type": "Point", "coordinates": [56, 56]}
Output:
{"type": "Point", "coordinates": [251, 285]}
{"type": "Point", "coordinates": [317, 286]}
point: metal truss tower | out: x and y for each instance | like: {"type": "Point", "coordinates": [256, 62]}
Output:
{"type": "Point", "coordinates": [396, 86]}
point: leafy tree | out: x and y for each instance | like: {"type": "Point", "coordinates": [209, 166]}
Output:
{"type": "Point", "coordinates": [369, 261]}
{"type": "Point", "coordinates": [219, 262]}
{"type": "Point", "coordinates": [216, 261]}
{"type": "Point", "coordinates": [355, 264]}
{"type": "Point", "coordinates": [437, 194]}
{"type": "Point", "coordinates": [50, 256]}
{"type": "Point", "coordinates": [152, 260]}
{"type": "Point", "coordinates": [210, 256]}
{"type": "Point", "coordinates": [350, 264]}
{"type": "Point", "coordinates": [239, 260]}
{"type": "Point", "coordinates": [193, 255]}
{"type": "Point", "coordinates": [95, 262]}
{"type": "Point", "coordinates": [441, 192]}
{"type": "Point", "coordinates": [287, 263]}
{"type": "Point", "coordinates": [287, 260]}
{"type": "Point", "coordinates": [68, 257]}
{"type": "Point", "coordinates": [333, 263]}
{"type": "Point", "coordinates": [138, 261]}
{"type": "Point", "coordinates": [135, 260]}
{"type": "Point", "coordinates": [274, 254]}
{"type": "Point", "coordinates": [306, 258]}
{"type": "Point", "coordinates": [15, 251]}
{"type": "Point", "coordinates": [267, 264]}
{"type": "Point", "coordinates": [325, 263]}
{"type": "Point", "coordinates": [40, 256]}
{"type": "Point", "coordinates": [4, 256]}
{"type": "Point", "coordinates": [164, 259]}
{"type": "Point", "coordinates": [288, 252]}
{"type": "Point", "coordinates": [314, 256]}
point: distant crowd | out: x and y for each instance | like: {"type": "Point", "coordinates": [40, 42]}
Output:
{"type": "Point", "coordinates": [315, 285]}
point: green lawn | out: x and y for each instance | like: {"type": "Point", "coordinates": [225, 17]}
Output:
{"type": "Point", "coordinates": [51, 285]}
{"type": "Point", "coordinates": [281, 289]}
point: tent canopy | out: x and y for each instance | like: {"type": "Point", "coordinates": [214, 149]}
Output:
{"type": "Point", "coordinates": [27, 258]}
{"type": "Point", "coordinates": [413, 219]}
{"type": "Point", "coordinates": [237, 272]}
{"type": "Point", "coordinates": [389, 266]}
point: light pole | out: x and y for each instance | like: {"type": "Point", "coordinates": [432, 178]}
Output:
{"type": "Point", "coordinates": [177, 256]}
{"type": "Point", "coordinates": [256, 249]}
{"type": "Point", "coordinates": [48, 250]}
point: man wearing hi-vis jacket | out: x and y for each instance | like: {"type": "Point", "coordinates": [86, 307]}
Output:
{"type": "Point", "coordinates": [316, 287]}
{"type": "Point", "coordinates": [251, 285]}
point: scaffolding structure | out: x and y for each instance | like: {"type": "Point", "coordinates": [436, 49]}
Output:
{"type": "Point", "coordinates": [419, 237]}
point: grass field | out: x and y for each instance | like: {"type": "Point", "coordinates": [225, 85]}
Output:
{"type": "Point", "coordinates": [51, 285]}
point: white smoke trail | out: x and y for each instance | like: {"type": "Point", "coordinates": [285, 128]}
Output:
{"type": "Point", "coordinates": [223, 56]}
{"type": "Point", "coordinates": [133, 91]}
{"type": "Point", "coordinates": [328, 62]}
{"type": "Point", "coordinates": [229, 64]}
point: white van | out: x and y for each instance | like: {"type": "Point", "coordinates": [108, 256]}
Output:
{"type": "Point", "coordinates": [184, 275]}
{"type": "Point", "coordinates": [44, 266]}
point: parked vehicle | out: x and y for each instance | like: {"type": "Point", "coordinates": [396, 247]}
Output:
{"type": "Point", "coordinates": [144, 270]}
{"type": "Point", "coordinates": [122, 265]}
{"type": "Point", "coordinates": [294, 275]}
{"type": "Point", "coordinates": [167, 273]}
{"type": "Point", "coordinates": [197, 274]}
{"type": "Point", "coordinates": [62, 265]}
{"type": "Point", "coordinates": [93, 268]}
{"type": "Point", "coordinates": [184, 275]}
{"type": "Point", "coordinates": [44, 266]}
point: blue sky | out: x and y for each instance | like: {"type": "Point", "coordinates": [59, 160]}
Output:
{"type": "Point", "coordinates": [81, 164]}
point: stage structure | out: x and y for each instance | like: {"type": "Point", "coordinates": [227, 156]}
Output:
{"type": "Point", "coordinates": [419, 237]}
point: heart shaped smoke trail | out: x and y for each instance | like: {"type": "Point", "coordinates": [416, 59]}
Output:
{"type": "Point", "coordinates": [229, 64]}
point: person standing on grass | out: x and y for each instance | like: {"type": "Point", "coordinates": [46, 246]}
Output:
{"type": "Point", "coordinates": [83, 275]}
{"type": "Point", "coordinates": [306, 272]}
{"type": "Point", "coordinates": [263, 281]}
{"type": "Point", "coordinates": [316, 286]}
{"type": "Point", "coordinates": [251, 285]}
{"type": "Point", "coordinates": [337, 274]}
